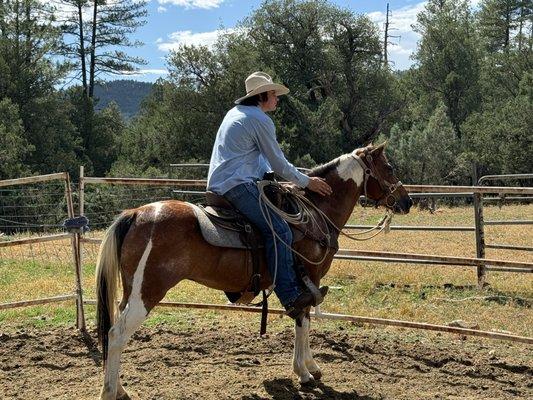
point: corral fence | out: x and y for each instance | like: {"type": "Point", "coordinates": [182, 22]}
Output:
{"type": "Point", "coordinates": [178, 188]}
{"type": "Point", "coordinates": [39, 204]}
{"type": "Point", "coordinates": [100, 199]}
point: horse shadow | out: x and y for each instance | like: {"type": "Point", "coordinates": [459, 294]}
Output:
{"type": "Point", "coordinates": [285, 389]}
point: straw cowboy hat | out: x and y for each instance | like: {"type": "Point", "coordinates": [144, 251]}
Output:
{"type": "Point", "coordinates": [259, 82]}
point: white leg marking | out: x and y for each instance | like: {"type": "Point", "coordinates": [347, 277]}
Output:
{"type": "Point", "coordinates": [349, 168]}
{"type": "Point", "coordinates": [128, 321]}
{"type": "Point", "coordinates": [300, 349]}
{"type": "Point", "coordinates": [310, 363]}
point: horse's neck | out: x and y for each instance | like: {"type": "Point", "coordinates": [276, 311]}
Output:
{"type": "Point", "coordinates": [340, 204]}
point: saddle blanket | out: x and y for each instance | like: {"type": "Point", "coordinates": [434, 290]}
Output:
{"type": "Point", "coordinates": [215, 234]}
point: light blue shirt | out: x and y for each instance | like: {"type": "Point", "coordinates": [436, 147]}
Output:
{"type": "Point", "coordinates": [245, 148]}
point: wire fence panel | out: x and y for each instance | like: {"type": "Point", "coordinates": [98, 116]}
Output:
{"type": "Point", "coordinates": [33, 210]}
{"type": "Point", "coordinates": [34, 245]}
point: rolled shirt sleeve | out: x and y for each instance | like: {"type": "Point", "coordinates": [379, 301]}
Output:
{"type": "Point", "coordinates": [266, 141]}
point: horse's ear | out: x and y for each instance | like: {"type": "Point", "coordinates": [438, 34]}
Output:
{"type": "Point", "coordinates": [379, 149]}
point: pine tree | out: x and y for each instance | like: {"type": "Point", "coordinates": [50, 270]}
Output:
{"type": "Point", "coordinates": [499, 22]}
{"type": "Point", "coordinates": [29, 39]}
{"type": "Point", "coordinates": [93, 40]}
{"type": "Point", "coordinates": [13, 145]}
{"type": "Point", "coordinates": [448, 58]}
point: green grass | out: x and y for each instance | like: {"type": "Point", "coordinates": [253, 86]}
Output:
{"type": "Point", "coordinates": [432, 294]}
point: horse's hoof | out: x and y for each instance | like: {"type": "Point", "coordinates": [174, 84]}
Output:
{"type": "Point", "coordinates": [316, 374]}
{"type": "Point", "coordinates": [124, 396]}
{"type": "Point", "coordinates": [309, 383]}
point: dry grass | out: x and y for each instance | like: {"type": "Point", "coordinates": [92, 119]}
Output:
{"type": "Point", "coordinates": [434, 294]}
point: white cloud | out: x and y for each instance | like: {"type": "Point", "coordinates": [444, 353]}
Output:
{"type": "Point", "coordinates": [188, 4]}
{"type": "Point", "coordinates": [161, 9]}
{"type": "Point", "coordinates": [178, 38]}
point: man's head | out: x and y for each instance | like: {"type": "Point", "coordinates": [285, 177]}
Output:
{"type": "Point", "coordinates": [262, 92]}
{"type": "Point", "coordinates": [267, 101]}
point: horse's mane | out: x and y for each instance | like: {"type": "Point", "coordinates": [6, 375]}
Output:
{"type": "Point", "coordinates": [323, 169]}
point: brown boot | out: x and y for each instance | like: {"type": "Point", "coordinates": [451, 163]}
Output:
{"type": "Point", "coordinates": [304, 300]}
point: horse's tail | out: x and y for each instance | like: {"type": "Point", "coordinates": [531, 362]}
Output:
{"type": "Point", "coordinates": [108, 276]}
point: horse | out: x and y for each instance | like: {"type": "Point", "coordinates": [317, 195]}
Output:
{"type": "Point", "coordinates": [150, 249]}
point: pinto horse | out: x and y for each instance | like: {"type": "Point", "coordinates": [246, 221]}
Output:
{"type": "Point", "coordinates": [154, 247]}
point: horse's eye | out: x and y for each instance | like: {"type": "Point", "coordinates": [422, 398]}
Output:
{"type": "Point", "coordinates": [389, 168]}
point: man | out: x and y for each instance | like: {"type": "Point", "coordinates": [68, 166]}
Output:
{"type": "Point", "coordinates": [245, 149]}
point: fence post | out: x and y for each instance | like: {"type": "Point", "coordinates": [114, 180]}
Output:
{"type": "Point", "coordinates": [480, 231]}
{"type": "Point", "coordinates": [480, 238]}
{"type": "Point", "coordinates": [80, 313]}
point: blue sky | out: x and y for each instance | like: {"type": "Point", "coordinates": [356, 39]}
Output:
{"type": "Point", "coordinates": [174, 22]}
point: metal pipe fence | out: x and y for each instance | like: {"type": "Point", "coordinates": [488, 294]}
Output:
{"type": "Point", "coordinates": [479, 203]}
{"type": "Point", "coordinates": [471, 191]}
{"type": "Point", "coordinates": [172, 187]}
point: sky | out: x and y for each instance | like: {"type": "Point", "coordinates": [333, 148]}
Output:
{"type": "Point", "coordinates": [174, 22]}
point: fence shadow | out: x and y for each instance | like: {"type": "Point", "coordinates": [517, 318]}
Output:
{"type": "Point", "coordinates": [92, 347]}
{"type": "Point", "coordinates": [285, 389]}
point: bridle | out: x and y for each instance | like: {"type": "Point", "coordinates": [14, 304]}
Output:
{"type": "Point", "coordinates": [390, 190]}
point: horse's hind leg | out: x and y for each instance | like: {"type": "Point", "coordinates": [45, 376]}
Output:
{"type": "Point", "coordinates": [127, 323]}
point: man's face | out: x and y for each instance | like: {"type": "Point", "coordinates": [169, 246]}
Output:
{"type": "Point", "coordinates": [271, 103]}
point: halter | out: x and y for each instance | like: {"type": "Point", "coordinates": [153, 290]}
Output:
{"type": "Point", "coordinates": [390, 190]}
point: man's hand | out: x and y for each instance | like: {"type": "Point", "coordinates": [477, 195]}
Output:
{"type": "Point", "coordinates": [319, 186]}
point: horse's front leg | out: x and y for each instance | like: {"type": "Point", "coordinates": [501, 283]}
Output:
{"type": "Point", "coordinates": [302, 361]}
{"type": "Point", "coordinates": [310, 363]}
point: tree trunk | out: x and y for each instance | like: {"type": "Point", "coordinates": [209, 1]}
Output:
{"type": "Point", "coordinates": [93, 50]}
{"type": "Point", "coordinates": [3, 32]}
{"type": "Point", "coordinates": [507, 28]}
{"type": "Point", "coordinates": [17, 34]}
{"type": "Point", "coordinates": [82, 49]}
{"type": "Point", "coordinates": [27, 34]}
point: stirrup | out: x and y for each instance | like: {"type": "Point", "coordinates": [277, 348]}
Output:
{"type": "Point", "coordinates": [317, 294]}
{"type": "Point", "coordinates": [306, 299]}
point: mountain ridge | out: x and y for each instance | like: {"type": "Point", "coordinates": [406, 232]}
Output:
{"type": "Point", "coordinates": [127, 93]}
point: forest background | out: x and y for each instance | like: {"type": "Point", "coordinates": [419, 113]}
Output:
{"type": "Point", "coordinates": [466, 103]}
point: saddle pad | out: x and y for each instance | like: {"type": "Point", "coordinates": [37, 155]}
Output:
{"type": "Point", "coordinates": [215, 234]}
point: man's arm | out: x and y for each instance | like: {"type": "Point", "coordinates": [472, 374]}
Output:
{"type": "Point", "coordinates": [269, 147]}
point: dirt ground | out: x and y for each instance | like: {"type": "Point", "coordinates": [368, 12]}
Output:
{"type": "Point", "coordinates": [218, 363]}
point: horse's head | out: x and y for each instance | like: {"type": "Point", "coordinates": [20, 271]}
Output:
{"type": "Point", "coordinates": [380, 182]}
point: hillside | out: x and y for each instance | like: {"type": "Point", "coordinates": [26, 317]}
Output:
{"type": "Point", "coordinates": [127, 93]}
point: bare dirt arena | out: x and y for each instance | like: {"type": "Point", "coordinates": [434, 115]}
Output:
{"type": "Point", "coordinates": [218, 363]}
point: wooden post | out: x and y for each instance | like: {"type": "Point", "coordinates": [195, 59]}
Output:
{"type": "Point", "coordinates": [80, 314]}
{"type": "Point", "coordinates": [81, 210]}
{"type": "Point", "coordinates": [82, 191]}
{"type": "Point", "coordinates": [480, 231]}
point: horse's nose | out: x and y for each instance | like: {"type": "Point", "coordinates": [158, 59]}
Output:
{"type": "Point", "coordinates": [406, 204]}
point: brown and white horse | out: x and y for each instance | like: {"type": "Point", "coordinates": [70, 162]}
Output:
{"type": "Point", "coordinates": [154, 247]}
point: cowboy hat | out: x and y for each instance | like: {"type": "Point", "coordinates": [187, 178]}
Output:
{"type": "Point", "coordinates": [259, 82]}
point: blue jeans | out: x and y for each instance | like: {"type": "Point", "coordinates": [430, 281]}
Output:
{"type": "Point", "coordinates": [245, 197]}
